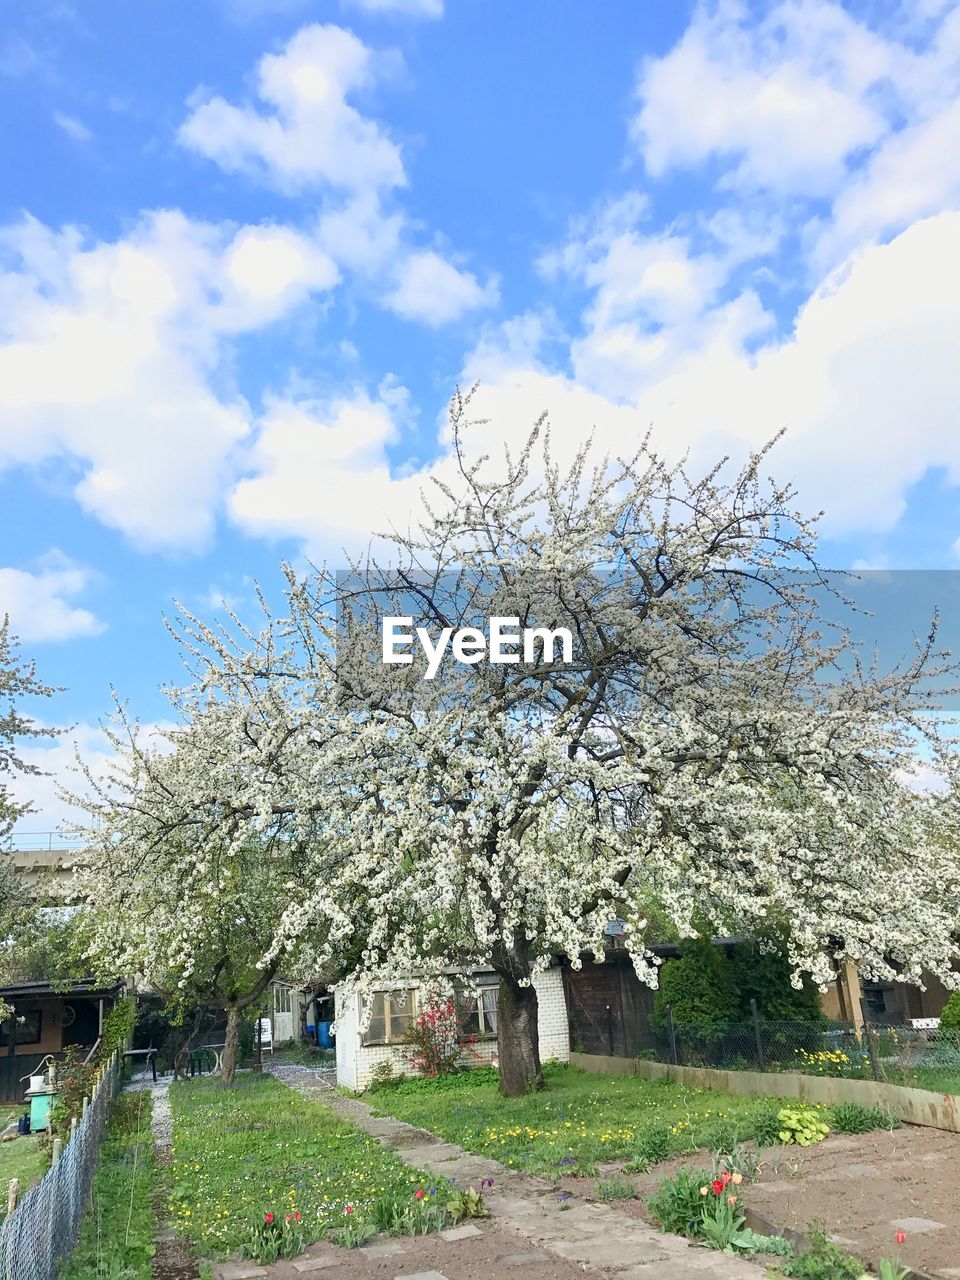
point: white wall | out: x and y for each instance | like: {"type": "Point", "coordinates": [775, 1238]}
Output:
{"type": "Point", "coordinates": [356, 1062]}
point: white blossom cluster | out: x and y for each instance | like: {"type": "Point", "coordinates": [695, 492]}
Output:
{"type": "Point", "coordinates": [710, 757]}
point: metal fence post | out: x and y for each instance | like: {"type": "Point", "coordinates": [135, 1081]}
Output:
{"type": "Point", "coordinates": [872, 1051]}
{"type": "Point", "coordinates": [758, 1038]}
{"type": "Point", "coordinates": [673, 1036]}
{"type": "Point", "coordinates": [13, 1190]}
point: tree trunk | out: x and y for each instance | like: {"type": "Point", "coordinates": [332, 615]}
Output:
{"type": "Point", "coordinates": [518, 1030]}
{"type": "Point", "coordinates": [229, 1059]}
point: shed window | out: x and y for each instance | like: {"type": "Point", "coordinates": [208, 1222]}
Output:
{"type": "Point", "coordinates": [391, 1017]}
{"type": "Point", "coordinates": [480, 1013]}
{"type": "Point", "coordinates": [27, 1028]}
{"type": "Point", "coordinates": [283, 999]}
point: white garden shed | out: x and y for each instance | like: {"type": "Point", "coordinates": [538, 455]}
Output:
{"type": "Point", "coordinates": [359, 1053]}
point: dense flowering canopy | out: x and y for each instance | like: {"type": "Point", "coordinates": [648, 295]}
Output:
{"type": "Point", "coordinates": [709, 753]}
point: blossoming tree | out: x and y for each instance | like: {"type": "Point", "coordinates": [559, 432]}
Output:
{"type": "Point", "coordinates": [707, 749]}
{"type": "Point", "coordinates": [175, 892]}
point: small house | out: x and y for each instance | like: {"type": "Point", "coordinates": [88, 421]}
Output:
{"type": "Point", "coordinates": [47, 1020]}
{"type": "Point", "coordinates": [360, 1052]}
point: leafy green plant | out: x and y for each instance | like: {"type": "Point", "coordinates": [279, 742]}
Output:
{"type": "Point", "coordinates": [461, 1205]}
{"type": "Point", "coordinates": [722, 1223]}
{"type": "Point", "coordinates": [887, 1270]}
{"type": "Point", "coordinates": [852, 1117]}
{"type": "Point", "coordinates": [385, 1075]}
{"type": "Point", "coordinates": [355, 1231]}
{"type": "Point", "coordinates": [766, 1127]}
{"type": "Point", "coordinates": [654, 1145]}
{"type": "Point", "coordinates": [274, 1236]}
{"type": "Point", "coordinates": [823, 1260]}
{"type": "Point", "coordinates": [677, 1204]}
{"type": "Point", "coordinates": [615, 1189]}
{"type": "Point", "coordinates": [801, 1125]}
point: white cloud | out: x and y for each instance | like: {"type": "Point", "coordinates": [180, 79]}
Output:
{"type": "Point", "coordinates": [57, 760]}
{"type": "Point", "coordinates": [108, 354]}
{"type": "Point", "coordinates": [72, 127]}
{"type": "Point", "coordinates": [432, 290]}
{"type": "Point", "coordinates": [787, 100]}
{"type": "Point", "coordinates": [401, 8]}
{"type": "Point", "coordinates": [867, 383]}
{"type": "Point", "coordinates": [913, 174]}
{"type": "Point", "coordinates": [310, 135]}
{"type": "Point", "coordinates": [320, 470]}
{"type": "Point", "coordinates": [39, 603]}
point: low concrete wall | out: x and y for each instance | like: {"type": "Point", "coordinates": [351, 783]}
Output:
{"type": "Point", "coordinates": [913, 1106]}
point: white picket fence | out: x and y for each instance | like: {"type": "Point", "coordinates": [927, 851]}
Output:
{"type": "Point", "coordinates": [42, 1229]}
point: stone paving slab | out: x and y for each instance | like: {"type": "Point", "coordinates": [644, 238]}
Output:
{"type": "Point", "coordinates": [421, 1275]}
{"type": "Point", "coordinates": [452, 1234]}
{"type": "Point", "coordinates": [916, 1226]}
{"type": "Point", "coordinates": [237, 1271]}
{"type": "Point", "coordinates": [309, 1265]}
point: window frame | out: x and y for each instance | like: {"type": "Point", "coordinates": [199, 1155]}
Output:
{"type": "Point", "coordinates": [407, 1013]}
{"type": "Point", "coordinates": [21, 1022]}
{"type": "Point", "coordinates": [481, 1015]}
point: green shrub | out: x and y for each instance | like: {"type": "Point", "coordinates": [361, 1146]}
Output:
{"type": "Point", "coordinates": [851, 1117]}
{"type": "Point", "coordinates": [677, 1203]}
{"type": "Point", "coordinates": [700, 987]}
{"type": "Point", "coordinates": [950, 1017]}
{"type": "Point", "coordinates": [802, 1125]}
{"type": "Point", "coordinates": [766, 1127]}
{"type": "Point", "coordinates": [765, 977]}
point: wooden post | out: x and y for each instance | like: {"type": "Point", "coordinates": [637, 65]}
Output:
{"type": "Point", "coordinates": [12, 1192]}
{"type": "Point", "coordinates": [86, 1103]}
{"type": "Point", "coordinates": [73, 1127]}
{"type": "Point", "coordinates": [57, 1151]}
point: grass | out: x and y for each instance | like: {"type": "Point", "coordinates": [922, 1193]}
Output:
{"type": "Point", "coordinates": [578, 1121]}
{"type": "Point", "coordinates": [23, 1158]}
{"type": "Point", "coordinates": [937, 1079]}
{"type": "Point", "coordinates": [259, 1147]}
{"type": "Point", "coordinates": [116, 1238]}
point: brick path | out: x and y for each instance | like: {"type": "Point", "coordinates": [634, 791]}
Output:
{"type": "Point", "coordinates": [576, 1237]}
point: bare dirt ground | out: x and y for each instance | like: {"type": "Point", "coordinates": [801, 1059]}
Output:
{"type": "Point", "coordinates": [496, 1252]}
{"type": "Point", "coordinates": [859, 1187]}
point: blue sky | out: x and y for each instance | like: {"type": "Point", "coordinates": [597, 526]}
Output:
{"type": "Point", "coordinates": [248, 248]}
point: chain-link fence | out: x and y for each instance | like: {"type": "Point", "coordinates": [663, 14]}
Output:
{"type": "Point", "coordinates": [44, 1226]}
{"type": "Point", "coordinates": [926, 1058]}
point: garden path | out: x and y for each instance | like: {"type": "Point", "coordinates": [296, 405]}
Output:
{"type": "Point", "coordinates": [559, 1236]}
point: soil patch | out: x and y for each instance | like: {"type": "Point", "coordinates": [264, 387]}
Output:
{"type": "Point", "coordinates": [497, 1253]}
{"type": "Point", "coordinates": [859, 1187]}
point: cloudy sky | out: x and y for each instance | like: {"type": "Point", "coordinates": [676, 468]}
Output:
{"type": "Point", "coordinates": [249, 247]}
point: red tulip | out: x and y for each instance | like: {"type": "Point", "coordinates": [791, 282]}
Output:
{"type": "Point", "coordinates": [268, 1218]}
{"type": "Point", "coordinates": [900, 1237]}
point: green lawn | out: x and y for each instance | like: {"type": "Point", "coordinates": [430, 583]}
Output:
{"type": "Point", "coordinates": [116, 1238]}
{"type": "Point", "coordinates": [259, 1147]}
{"type": "Point", "coordinates": [579, 1120]}
{"type": "Point", "coordinates": [22, 1158]}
